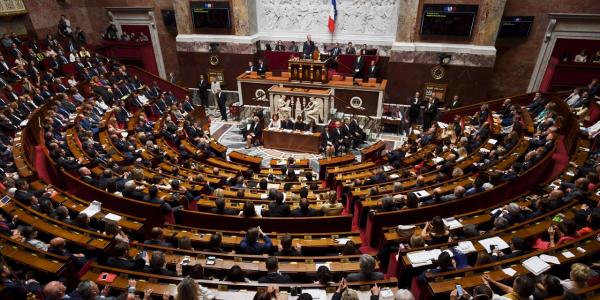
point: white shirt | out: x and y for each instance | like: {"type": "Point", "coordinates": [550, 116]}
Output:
{"type": "Point", "coordinates": [73, 56]}
{"type": "Point", "coordinates": [580, 58]}
{"type": "Point", "coordinates": [215, 86]}
{"type": "Point", "coordinates": [275, 124]}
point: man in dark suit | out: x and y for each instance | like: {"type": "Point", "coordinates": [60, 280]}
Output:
{"type": "Point", "coordinates": [221, 99]}
{"type": "Point", "coordinates": [373, 71]}
{"type": "Point", "coordinates": [299, 124]}
{"type": "Point", "coordinates": [203, 87]}
{"type": "Point", "coordinates": [220, 208]}
{"type": "Point", "coordinates": [359, 64]}
{"type": "Point", "coordinates": [415, 109]}
{"type": "Point", "coordinates": [308, 47]}
{"type": "Point", "coordinates": [350, 49]}
{"type": "Point", "coordinates": [278, 208]}
{"type": "Point", "coordinates": [273, 276]}
{"type": "Point", "coordinates": [262, 67]}
{"type": "Point", "coordinates": [429, 113]}
{"type": "Point", "coordinates": [254, 132]}
{"type": "Point", "coordinates": [339, 137]}
{"type": "Point", "coordinates": [304, 210]}
{"type": "Point", "coordinates": [455, 103]}
{"type": "Point", "coordinates": [335, 51]}
{"type": "Point", "coordinates": [251, 67]}
{"type": "Point", "coordinates": [120, 258]}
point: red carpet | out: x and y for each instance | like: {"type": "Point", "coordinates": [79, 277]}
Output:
{"type": "Point", "coordinates": [560, 158]}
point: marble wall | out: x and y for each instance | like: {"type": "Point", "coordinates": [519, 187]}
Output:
{"type": "Point", "coordinates": [516, 58]}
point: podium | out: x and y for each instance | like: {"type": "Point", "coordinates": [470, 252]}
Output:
{"type": "Point", "coordinates": [307, 70]}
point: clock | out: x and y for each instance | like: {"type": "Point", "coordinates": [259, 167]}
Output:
{"type": "Point", "coordinates": [213, 60]}
{"type": "Point", "coordinates": [438, 72]}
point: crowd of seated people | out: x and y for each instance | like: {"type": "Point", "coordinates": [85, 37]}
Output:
{"type": "Point", "coordinates": [115, 91]}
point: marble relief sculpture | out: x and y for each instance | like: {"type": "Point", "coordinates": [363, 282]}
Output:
{"type": "Point", "coordinates": [372, 17]}
{"type": "Point", "coordinates": [314, 110]}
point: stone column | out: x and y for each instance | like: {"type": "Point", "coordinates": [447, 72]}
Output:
{"type": "Point", "coordinates": [488, 22]}
{"type": "Point", "coordinates": [244, 17]}
{"type": "Point", "coordinates": [407, 19]}
{"type": "Point", "coordinates": [183, 16]}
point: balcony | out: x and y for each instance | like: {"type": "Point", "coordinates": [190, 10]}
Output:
{"type": "Point", "coordinates": [12, 7]}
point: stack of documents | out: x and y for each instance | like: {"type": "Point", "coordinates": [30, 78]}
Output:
{"type": "Point", "coordinates": [424, 257]}
{"type": "Point", "coordinates": [421, 193]}
{"type": "Point", "coordinates": [113, 217]}
{"type": "Point", "coordinates": [536, 265]}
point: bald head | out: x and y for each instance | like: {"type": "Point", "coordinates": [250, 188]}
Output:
{"type": "Point", "coordinates": [57, 242]}
{"type": "Point", "coordinates": [54, 290]}
{"type": "Point", "coordinates": [555, 195]}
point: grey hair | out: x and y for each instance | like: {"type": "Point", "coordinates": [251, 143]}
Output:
{"type": "Point", "coordinates": [367, 264]}
{"type": "Point", "coordinates": [85, 289]}
{"type": "Point", "coordinates": [404, 294]}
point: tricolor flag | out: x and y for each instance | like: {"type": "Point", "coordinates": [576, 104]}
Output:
{"type": "Point", "coordinates": [332, 16]}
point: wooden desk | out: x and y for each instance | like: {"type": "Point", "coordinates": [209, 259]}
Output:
{"type": "Point", "coordinates": [307, 70]}
{"type": "Point", "coordinates": [292, 141]}
{"type": "Point", "coordinates": [252, 161]}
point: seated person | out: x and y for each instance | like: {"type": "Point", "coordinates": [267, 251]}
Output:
{"type": "Point", "coordinates": [522, 288]}
{"type": "Point", "coordinates": [367, 270]}
{"type": "Point", "coordinates": [299, 124]}
{"type": "Point", "coordinates": [120, 258]}
{"type": "Point", "coordinates": [304, 210]}
{"type": "Point", "coordinates": [220, 208]}
{"type": "Point", "coordinates": [156, 238]}
{"type": "Point", "coordinates": [275, 122]}
{"type": "Point", "coordinates": [332, 207]}
{"type": "Point", "coordinates": [273, 276]}
{"type": "Point", "coordinates": [278, 208]}
{"type": "Point", "coordinates": [158, 265]}
{"type": "Point", "coordinates": [250, 244]}
{"type": "Point", "coordinates": [253, 133]}
{"type": "Point", "coordinates": [285, 247]}
{"type": "Point", "coordinates": [327, 145]}
{"type": "Point", "coordinates": [435, 232]}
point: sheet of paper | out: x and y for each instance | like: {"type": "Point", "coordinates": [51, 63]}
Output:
{"type": "Point", "coordinates": [466, 247]}
{"type": "Point", "coordinates": [394, 176]}
{"type": "Point", "coordinates": [113, 217]}
{"type": "Point", "coordinates": [452, 223]}
{"type": "Point", "coordinates": [419, 257]}
{"type": "Point", "coordinates": [550, 259]}
{"type": "Point", "coordinates": [272, 186]}
{"type": "Point", "coordinates": [499, 242]}
{"type": "Point", "coordinates": [492, 141]}
{"type": "Point", "coordinates": [387, 168]}
{"type": "Point", "coordinates": [92, 209]}
{"type": "Point", "coordinates": [315, 293]}
{"type": "Point", "coordinates": [536, 265]}
{"type": "Point", "coordinates": [258, 209]}
{"type": "Point", "coordinates": [264, 196]}
{"type": "Point", "coordinates": [341, 241]}
{"type": "Point", "coordinates": [509, 271]}
{"type": "Point", "coordinates": [568, 254]}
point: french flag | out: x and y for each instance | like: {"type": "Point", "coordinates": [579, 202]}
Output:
{"type": "Point", "coordinates": [332, 16]}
